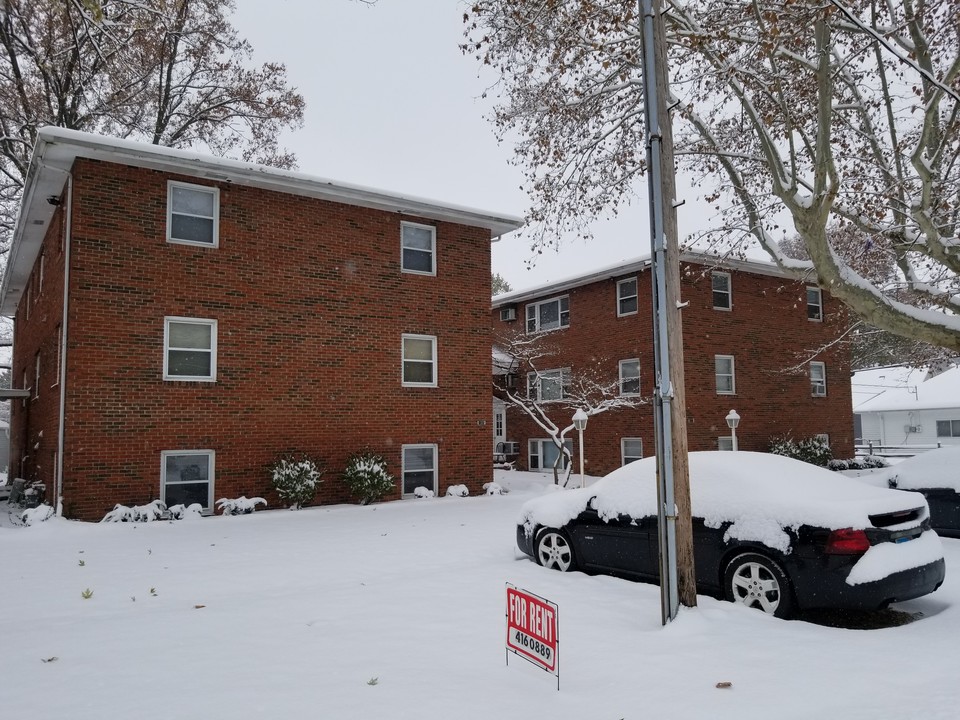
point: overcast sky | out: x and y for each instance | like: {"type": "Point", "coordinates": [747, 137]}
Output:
{"type": "Point", "coordinates": [393, 104]}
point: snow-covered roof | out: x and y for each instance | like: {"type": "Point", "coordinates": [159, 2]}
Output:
{"type": "Point", "coordinates": [57, 148]}
{"type": "Point", "coordinates": [503, 362]}
{"type": "Point", "coordinates": [905, 388]}
{"type": "Point", "coordinates": [636, 265]}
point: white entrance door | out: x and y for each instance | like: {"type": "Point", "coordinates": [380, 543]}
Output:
{"type": "Point", "coordinates": [499, 422]}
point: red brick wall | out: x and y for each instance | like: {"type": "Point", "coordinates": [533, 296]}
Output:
{"type": "Point", "coordinates": [310, 304]}
{"type": "Point", "coordinates": [767, 332]}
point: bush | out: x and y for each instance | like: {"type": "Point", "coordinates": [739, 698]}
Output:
{"type": "Point", "coordinates": [296, 479]}
{"type": "Point", "coordinates": [367, 477]}
{"type": "Point", "coordinates": [458, 491]}
{"type": "Point", "coordinates": [811, 450]}
{"type": "Point", "coordinates": [239, 506]}
{"type": "Point", "coordinates": [867, 462]}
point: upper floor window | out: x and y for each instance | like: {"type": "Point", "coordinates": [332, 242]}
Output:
{"type": "Point", "coordinates": [193, 214]}
{"type": "Point", "coordinates": [627, 297]}
{"type": "Point", "coordinates": [726, 380]}
{"type": "Point", "coordinates": [548, 314]}
{"type": "Point", "coordinates": [814, 303]}
{"type": "Point", "coordinates": [189, 349]}
{"type": "Point", "coordinates": [818, 379]}
{"type": "Point", "coordinates": [722, 294]}
{"type": "Point", "coordinates": [419, 361]}
{"type": "Point", "coordinates": [418, 248]}
{"type": "Point", "coordinates": [547, 385]}
{"type": "Point", "coordinates": [630, 377]}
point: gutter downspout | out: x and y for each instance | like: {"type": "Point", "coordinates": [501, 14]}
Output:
{"type": "Point", "coordinates": [67, 232]}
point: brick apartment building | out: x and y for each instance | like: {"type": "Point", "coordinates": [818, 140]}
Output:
{"type": "Point", "coordinates": [754, 340]}
{"type": "Point", "coordinates": [182, 320]}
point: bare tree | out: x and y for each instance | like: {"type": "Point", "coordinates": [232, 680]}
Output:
{"type": "Point", "coordinates": [546, 392]}
{"type": "Point", "coordinates": [168, 72]}
{"type": "Point", "coordinates": [823, 118]}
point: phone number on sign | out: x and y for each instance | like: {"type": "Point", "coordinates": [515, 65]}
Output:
{"type": "Point", "coordinates": [529, 645]}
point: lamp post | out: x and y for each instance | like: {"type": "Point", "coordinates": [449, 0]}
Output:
{"type": "Point", "coordinates": [580, 423]}
{"type": "Point", "coordinates": [732, 421]}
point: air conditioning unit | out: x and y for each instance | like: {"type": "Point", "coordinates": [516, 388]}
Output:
{"type": "Point", "coordinates": [508, 313]}
{"type": "Point", "coordinates": [913, 428]}
{"type": "Point", "coordinates": [511, 448]}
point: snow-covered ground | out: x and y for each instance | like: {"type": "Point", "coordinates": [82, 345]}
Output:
{"type": "Point", "coordinates": [397, 610]}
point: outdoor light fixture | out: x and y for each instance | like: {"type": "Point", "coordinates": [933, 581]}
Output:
{"type": "Point", "coordinates": [732, 421]}
{"type": "Point", "coordinates": [580, 423]}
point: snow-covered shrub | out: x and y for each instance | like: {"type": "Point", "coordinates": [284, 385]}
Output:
{"type": "Point", "coordinates": [457, 491]}
{"type": "Point", "coordinates": [838, 465]}
{"type": "Point", "coordinates": [422, 492]}
{"type": "Point", "coordinates": [367, 477]}
{"type": "Point", "coordinates": [492, 488]}
{"type": "Point", "coordinates": [185, 512]}
{"type": "Point", "coordinates": [155, 510]}
{"type": "Point", "coordinates": [240, 506]}
{"type": "Point", "coordinates": [296, 479]}
{"type": "Point", "coordinates": [811, 450]}
{"type": "Point", "coordinates": [867, 462]}
{"type": "Point", "coordinates": [36, 515]}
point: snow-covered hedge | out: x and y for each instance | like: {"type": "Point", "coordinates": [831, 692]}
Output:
{"type": "Point", "coordinates": [493, 488]}
{"type": "Point", "coordinates": [811, 450]}
{"type": "Point", "coordinates": [423, 493]}
{"type": "Point", "coordinates": [862, 463]}
{"type": "Point", "coordinates": [155, 510]}
{"type": "Point", "coordinates": [457, 491]}
{"type": "Point", "coordinates": [35, 515]}
{"type": "Point", "coordinates": [367, 477]}
{"type": "Point", "coordinates": [296, 479]}
{"type": "Point", "coordinates": [240, 506]}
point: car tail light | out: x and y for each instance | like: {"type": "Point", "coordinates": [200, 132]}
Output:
{"type": "Point", "coordinates": [847, 542]}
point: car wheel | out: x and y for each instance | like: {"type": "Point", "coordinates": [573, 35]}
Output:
{"type": "Point", "coordinates": [554, 551]}
{"type": "Point", "coordinates": [758, 582]}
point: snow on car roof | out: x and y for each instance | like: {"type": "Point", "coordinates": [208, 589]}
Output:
{"type": "Point", "coordinates": [933, 469]}
{"type": "Point", "coordinates": [759, 493]}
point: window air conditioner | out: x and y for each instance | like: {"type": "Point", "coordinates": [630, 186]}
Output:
{"type": "Point", "coordinates": [511, 448]}
{"type": "Point", "coordinates": [508, 313]}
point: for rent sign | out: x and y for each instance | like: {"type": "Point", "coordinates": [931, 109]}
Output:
{"type": "Point", "coordinates": [532, 628]}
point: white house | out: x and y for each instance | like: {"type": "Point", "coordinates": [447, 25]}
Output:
{"type": "Point", "coordinates": [907, 406]}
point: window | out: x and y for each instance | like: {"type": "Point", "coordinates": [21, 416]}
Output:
{"type": "Point", "coordinates": [722, 295]}
{"type": "Point", "coordinates": [548, 315]}
{"type": "Point", "coordinates": [193, 214]}
{"type": "Point", "coordinates": [627, 297]}
{"type": "Point", "coordinates": [725, 442]}
{"type": "Point", "coordinates": [630, 377]}
{"type": "Point", "coordinates": [36, 377]}
{"type": "Point", "coordinates": [419, 468]}
{"type": "Point", "coordinates": [24, 386]}
{"type": "Point", "coordinates": [419, 361]}
{"type": "Point", "coordinates": [818, 379]}
{"type": "Point", "coordinates": [190, 349]}
{"type": "Point", "coordinates": [40, 278]}
{"type": "Point", "coordinates": [814, 304]}
{"type": "Point", "coordinates": [630, 449]}
{"type": "Point", "coordinates": [56, 378]}
{"type": "Point", "coordinates": [948, 428]}
{"type": "Point", "coordinates": [824, 438]}
{"type": "Point", "coordinates": [186, 477]}
{"type": "Point", "coordinates": [417, 248]}
{"type": "Point", "coordinates": [726, 382]}
{"type": "Point", "coordinates": [542, 454]}
{"type": "Point", "coordinates": [547, 385]}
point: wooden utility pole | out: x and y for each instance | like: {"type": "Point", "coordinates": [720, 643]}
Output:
{"type": "Point", "coordinates": [677, 576]}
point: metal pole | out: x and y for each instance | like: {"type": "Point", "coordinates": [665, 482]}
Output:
{"type": "Point", "coordinates": [666, 506]}
{"type": "Point", "coordinates": [581, 458]}
{"type": "Point", "coordinates": [733, 435]}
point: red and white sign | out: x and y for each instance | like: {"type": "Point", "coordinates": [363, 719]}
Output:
{"type": "Point", "coordinates": [532, 628]}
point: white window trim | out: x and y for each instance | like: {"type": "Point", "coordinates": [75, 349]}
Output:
{"type": "Point", "coordinates": [620, 387]}
{"type": "Point", "coordinates": [403, 466]}
{"type": "Point", "coordinates": [213, 349]}
{"type": "Point", "coordinates": [822, 379]}
{"type": "Point", "coordinates": [636, 296]}
{"type": "Point", "coordinates": [215, 191]}
{"type": "Point", "coordinates": [40, 278]}
{"type": "Point", "coordinates": [819, 304]}
{"type": "Point", "coordinates": [211, 475]}
{"type": "Point", "coordinates": [623, 449]}
{"type": "Point", "coordinates": [433, 249]}
{"type": "Point", "coordinates": [733, 374]}
{"type": "Point", "coordinates": [433, 360]}
{"type": "Point", "coordinates": [56, 376]}
{"type": "Point", "coordinates": [534, 380]}
{"type": "Point", "coordinates": [36, 377]}
{"type": "Point", "coordinates": [729, 291]}
{"type": "Point", "coordinates": [535, 306]}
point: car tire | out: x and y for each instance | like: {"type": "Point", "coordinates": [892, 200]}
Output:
{"type": "Point", "coordinates": [554, 551]}
{"type": "Point", "coordinates": [758, 582]}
